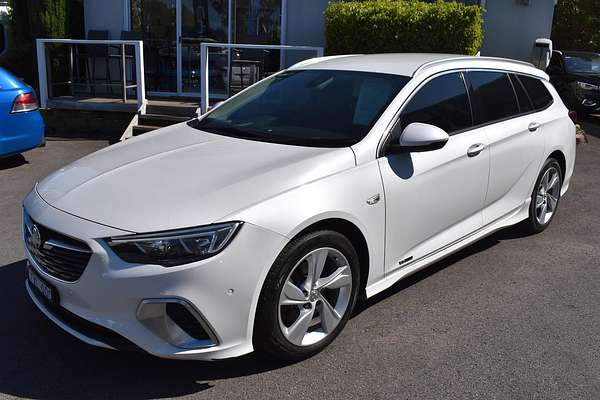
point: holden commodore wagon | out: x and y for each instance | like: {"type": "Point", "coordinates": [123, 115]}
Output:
{"type": "Point", "coordinates": [21, 124]}
{"type": "Point", "coordinates": [258, 225]}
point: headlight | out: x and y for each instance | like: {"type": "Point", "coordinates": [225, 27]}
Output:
{"type": "Point", "coordinates": [174, 247]}
{"type": "Point", "coordinates": [587, 86]}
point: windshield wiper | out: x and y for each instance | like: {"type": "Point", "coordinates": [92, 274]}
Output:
{"type": "Point", "coordinates": [250, 134]}
{"type": "Point", "coordinates": [225, 130]}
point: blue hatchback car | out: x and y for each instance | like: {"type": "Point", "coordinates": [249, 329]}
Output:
{"type": "Point", "coordinates": [21, 124]}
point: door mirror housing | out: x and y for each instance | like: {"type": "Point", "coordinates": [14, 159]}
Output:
{"type": "Point", "coordinates": [419, 137]}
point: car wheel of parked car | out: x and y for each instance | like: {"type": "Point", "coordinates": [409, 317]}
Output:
{"type": "Point", "coordinates": [308, 296]}
{"type": "Point", "coordinates": [545, 197]}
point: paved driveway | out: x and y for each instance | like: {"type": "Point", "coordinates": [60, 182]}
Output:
{"type": "Point", "coordinates": [509, 317]}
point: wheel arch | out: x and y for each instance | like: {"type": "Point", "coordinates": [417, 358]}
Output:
{"type": "Point", "coordinates": [353, 233]}
{"type": "Point", "coordinates": [559, 156]}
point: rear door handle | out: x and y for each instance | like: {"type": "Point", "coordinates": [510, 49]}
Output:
{"type": "Point", "coordinates": [475, 149]}
{"type": "Point", "coordinates": [534, 126]}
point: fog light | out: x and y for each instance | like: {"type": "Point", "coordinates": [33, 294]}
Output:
{"type": "Point", "coordinates": [177, 322]}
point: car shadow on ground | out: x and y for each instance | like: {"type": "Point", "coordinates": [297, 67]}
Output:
{"type": "Point", "coordinates": [40, 361]}
{"type": "Point", "coordinates": [514, 232]}
{"type": "Point", "coordinates": [12, 162]}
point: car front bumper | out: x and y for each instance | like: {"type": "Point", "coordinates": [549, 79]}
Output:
{"type": "Point", "coordinates": [112, 296]}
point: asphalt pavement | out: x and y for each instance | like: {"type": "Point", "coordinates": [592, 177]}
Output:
{"type": "Point", "coordinates": [510, 317]}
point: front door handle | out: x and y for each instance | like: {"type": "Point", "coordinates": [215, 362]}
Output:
{"type": "Point", "coordinates": [475, 149]}
{"type": "Point", "coordinates": [534, 126]}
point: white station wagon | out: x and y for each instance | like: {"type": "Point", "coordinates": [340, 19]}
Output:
{"type": "Point", "coordinates": [260, 224]}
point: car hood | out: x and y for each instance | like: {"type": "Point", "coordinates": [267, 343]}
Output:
{"type": "Point", "coordinates": [593, 79]}
{"type": "Point", "coordinates": [180, 177]}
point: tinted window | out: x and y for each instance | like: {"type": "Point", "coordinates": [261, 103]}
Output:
{"type": "Point", "coordinates": [319, 108]}
{"type": "Point", "coordinates": [524, 101]}
{"type": "Point", "coordinates": [493, 97]}
{"type": "Point", "coordinates": [539, 95]}
{"type": "Point", "coordinates": [442, 102]}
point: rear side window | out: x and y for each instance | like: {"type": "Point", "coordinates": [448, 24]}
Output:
{"type": "Point", "coordinates": [443, 102]}
{"type": "Point", "coordinates": [492, 96]}
{"type": "Point", "coordinates": [539, 95]}
{"type": "Point", "coordinates": [524, 102]}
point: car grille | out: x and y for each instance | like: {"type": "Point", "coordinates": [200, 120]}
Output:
{"type": "Point", "coordinates": [58, 255]}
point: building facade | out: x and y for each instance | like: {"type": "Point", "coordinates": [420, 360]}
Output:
{"type": "Point", "coordinates": [173, 30]}
{"type": "Point", "coordinates": [511, 27]}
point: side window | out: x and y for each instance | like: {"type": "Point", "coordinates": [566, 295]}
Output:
{"type": "Point", "coordinates": [443, 102]}
{"type": "Point", "coordinates": [524, 101]}
{"type": "Point", "coordinates": [492, 96]}
{"type": "Point", "coordinates": [540, 96]}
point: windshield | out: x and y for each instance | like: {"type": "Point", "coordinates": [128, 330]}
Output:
{"type": "Point", "coordinates": [583, 63]}
{"type": "Point", "coordinates": [319, 108]}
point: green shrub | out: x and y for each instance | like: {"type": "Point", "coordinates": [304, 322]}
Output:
{"type": "Point", "coordinates": [392, 26]}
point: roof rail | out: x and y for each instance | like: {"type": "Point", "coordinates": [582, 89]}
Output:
{"type": "Point", "coordinates": [433, 63]}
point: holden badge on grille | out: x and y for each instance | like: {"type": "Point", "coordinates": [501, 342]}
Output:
{"type": "Point", "coordinates": [36, 238]}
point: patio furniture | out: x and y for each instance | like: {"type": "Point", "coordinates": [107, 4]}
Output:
{"type": "Point", "coordinates": [93, 53]}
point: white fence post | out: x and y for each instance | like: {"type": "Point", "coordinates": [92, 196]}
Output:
{"type": "Point", "coordinates": [204, 101]}
{"type": "Point", "coordinates": [140, 77]}
{"type": "Point", "coordinates": [42, 74]}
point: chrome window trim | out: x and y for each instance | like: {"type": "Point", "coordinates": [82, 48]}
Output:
{"type": "Point", "coordinates": [396, 118]}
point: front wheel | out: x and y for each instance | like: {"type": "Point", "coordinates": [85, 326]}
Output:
{"type": "Point", "coordinates": [308, 296]}
{"type": "Point", "coordinates": [545, 197]}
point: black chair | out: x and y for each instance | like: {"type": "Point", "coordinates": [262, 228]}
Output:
{"type": "Point", "coordinates": [96, 52]}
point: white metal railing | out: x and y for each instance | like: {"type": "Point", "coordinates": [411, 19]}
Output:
{"type": "Point", "coordinates": [139, 65]}
{"type": "Point", "coordinates": [204, 82]}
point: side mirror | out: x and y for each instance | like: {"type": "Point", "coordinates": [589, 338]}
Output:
{"type": "Point", "coordinates": [418, 137]}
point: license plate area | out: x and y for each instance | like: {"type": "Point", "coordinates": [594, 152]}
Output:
{"type": "Point", "coordinates": [41, 287]}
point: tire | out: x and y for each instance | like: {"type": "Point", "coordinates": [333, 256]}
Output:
{"type": "Point", "coordinates": [278, 328]}
{"type": "Point", "coordinates": [536, 223]}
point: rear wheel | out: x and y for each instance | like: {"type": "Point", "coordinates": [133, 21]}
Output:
{"type": "Point", "coordinates": [308, 296]}
{"type": "Point", "coordinates": [545, 197]}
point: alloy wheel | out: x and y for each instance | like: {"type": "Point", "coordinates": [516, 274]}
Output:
{"type": "Point", "coordinates": [315, 296]}
{"type": "Point", "coordinates": [547, 196]}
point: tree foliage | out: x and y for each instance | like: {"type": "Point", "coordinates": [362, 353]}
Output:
{"type": "Point", "coordinates": [577, 25]}
{"type": "Point", "coordinates": [30, 20]}
{"type": "Point", "coordinates": [385, 26]}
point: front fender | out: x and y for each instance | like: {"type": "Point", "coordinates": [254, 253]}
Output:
{"type": "Point", "coordinates": [343, 195]}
